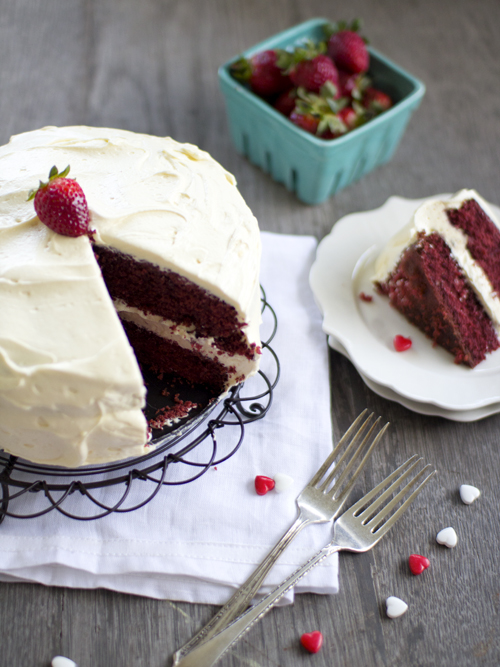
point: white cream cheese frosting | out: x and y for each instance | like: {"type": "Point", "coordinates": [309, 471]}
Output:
{"type": "Point", "coordinates": [237, 365]}
{"type": "Point", "coordinates": [71, 392]}
{"type": "Point", "coordinates": [431, 217]}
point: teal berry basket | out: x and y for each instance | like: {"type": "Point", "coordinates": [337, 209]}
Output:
{"type": "Point", "coordinates": [313, 168]}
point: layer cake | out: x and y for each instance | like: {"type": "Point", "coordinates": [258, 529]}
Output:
{"type": "Point", "coordinates": [170, 280]}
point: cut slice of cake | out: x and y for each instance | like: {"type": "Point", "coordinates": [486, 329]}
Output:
{"type": "Point", "coordinates": [169, 281]}
{"type": "Point", "coordinates": [442, 272]}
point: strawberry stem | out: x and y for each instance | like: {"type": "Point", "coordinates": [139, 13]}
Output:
{"type": "Point", "coordinates": [53, 174]}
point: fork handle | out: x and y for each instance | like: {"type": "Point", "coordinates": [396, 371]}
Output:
{"type": "Point", "coordinates": [209, 652]}
{"type": "Point", "coordinates": [245, 594]}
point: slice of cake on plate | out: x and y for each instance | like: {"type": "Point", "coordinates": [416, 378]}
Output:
{"type": "Point", "coordinates": [169, 279]}
{"type": "Point", "coordinates": [442, 272]}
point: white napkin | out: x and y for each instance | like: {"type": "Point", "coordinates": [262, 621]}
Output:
{"type": "Point", "coordinates": [199, 541]}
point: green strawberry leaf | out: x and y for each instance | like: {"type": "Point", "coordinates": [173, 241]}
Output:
{"type": "Point", "coordinates": [53, 174]}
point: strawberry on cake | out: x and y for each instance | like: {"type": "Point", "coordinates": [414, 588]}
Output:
{"type": "Point", "coordinates": [442, 272]}
{"type": "Point", "coordinates": [143, 253]}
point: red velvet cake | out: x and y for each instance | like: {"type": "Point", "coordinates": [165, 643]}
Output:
{"type": "Point", "coordinates": [168, 284]}
{"type": "Point", "coordinates": [442, 272]}
{"type": "Point", "coordinates": [140, 290]}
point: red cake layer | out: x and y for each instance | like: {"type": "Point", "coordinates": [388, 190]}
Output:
{"type": "Point", "coordinates": [431, 291]}
{"type": "Point", "coordinates": [483, 240]}
{"type": "Point", "coordinates": [165, 356]}
{"type": "Point", "coordinates": [145, 286]}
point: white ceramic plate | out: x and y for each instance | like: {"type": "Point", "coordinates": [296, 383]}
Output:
{"type": "Point", "coordinates": [425, 374]}
{"type": "Point", "coordinates": [421, 408]}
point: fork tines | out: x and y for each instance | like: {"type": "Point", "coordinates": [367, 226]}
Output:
{"type": "Point", "coordinates": [376, 515]}
{"type": "Point", "coordinates": [353, 434]}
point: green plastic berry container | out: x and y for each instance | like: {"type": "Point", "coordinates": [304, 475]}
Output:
{"type": "Point", "coordinates": [313, 168]}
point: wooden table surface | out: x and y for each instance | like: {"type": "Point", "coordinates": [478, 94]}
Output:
{"type": "Point", "coordinates": [151, 66]}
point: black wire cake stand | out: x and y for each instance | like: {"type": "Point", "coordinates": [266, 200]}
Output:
{"type": "Point", "coordinates": [183, 451]}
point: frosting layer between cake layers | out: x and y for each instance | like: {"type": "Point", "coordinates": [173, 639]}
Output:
{"type": "Point", "coordinates": [430, 218]}
{"type": "Point", "coordinates": [71, 391]}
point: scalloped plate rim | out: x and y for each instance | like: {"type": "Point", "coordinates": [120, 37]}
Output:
{"type": "Point", "coordinates": [422, 408]}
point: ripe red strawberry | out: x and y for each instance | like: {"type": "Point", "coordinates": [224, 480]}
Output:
{"type": "Point", "coordinates": [347, 83]}
{"type": "Point", "coordinates": [348, 51]}
{"type": "Point", "coordinates": [376, 100]}
{"type": "Point", "coordinates": [306, 121]}
{"type": "Point", "coordinates": [61, 204]}
{"type": "Point", "coordinates": [285, 103]}
{"type": "Point", "coordinates": [313, 74]}
{"type": "Point", "coordinates": [348, 116]}
{"type": "Point", "coordinates": [353, 85]}
{"type": "Point", "coordinates": [262, 73]}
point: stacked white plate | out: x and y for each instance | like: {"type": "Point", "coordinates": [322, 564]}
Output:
{"type": "Point", "coordinates": [424, 378]}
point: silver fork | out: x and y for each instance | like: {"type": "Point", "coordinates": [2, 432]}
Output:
{"type": "Point", "coordinates": [357, 530]}
{"type": "Point", "coordinates": [319, 502]}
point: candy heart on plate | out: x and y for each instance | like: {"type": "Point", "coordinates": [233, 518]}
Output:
{"type": "Point", "coordinates": [469, 494]}
{"type": "Point", "coordinates": [395, 606]}
{"type": "Point", "coordinates": [418, 564]}
{"type": "Point", "coordinates": [312, 641]}
{"type": "Point", "coordinates": [401, 343]}
{"type": "Point", "coordinates": [447, 537]}
{"type": "Point", "coordinates": [263, 484]}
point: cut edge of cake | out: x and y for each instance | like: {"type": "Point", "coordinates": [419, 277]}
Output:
{"type": "Point", "coordinates": [405, 271]}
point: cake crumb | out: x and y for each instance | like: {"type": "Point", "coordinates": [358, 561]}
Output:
{"type": "Point", "coordinates": [365, 297]}
{"type": "Point", "coordinates": [171, 414]}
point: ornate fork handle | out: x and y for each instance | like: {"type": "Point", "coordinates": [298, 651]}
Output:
{"type": "Point", "coordinates": [358, 530]}
{"type": "Point", "coordinates": [319, 502]}
{"type": "Point", "coordinates": [244, 595]}
{"type": "Point", "coordinates": [207, 654]}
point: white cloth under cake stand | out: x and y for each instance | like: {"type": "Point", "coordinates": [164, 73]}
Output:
{"type": "Point", "coordinates": [198, 542]}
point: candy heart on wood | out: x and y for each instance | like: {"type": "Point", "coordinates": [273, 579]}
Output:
{"type": "Point", "coordinates": [312, 641]}
{"type": "Point", "coordinates": [418, 563]}
{"type": "Point", "coordinates": [447, 537]}
{"type": "Point", "coordinates": [395, 607]}
{"type": "Point", "coordinates": [282, 482]}
{"type": "Point", "coordinates": [263, 484]}
{"type": "Point", "coordinates": [469, 494]}
{"type": "Point", "coordinates": [61, 661]}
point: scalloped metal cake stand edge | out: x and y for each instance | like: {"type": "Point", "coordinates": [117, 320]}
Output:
{"type": "Point", "coordinates": [19, 477]}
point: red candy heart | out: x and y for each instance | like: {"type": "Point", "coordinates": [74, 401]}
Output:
{"type": "Point", "coordinates": [263, 484]}
{"type": "Point", "coordinates": [401, 343]}
{"type": "Point", "coordinates": [312, 641]}
{"type": "Point", "coordinates": [418, 563]}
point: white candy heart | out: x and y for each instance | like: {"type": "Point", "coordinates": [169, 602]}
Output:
{"type": "Point", "coordinates": [469, 494]}
{"type": "Point", "coordinates": [395, 607]}
{"type": "Point", "coordinates": [61, 661]}
{"type": "Point", "coordinates": [448, 537]}
{"type": "Point", "coordinates": [282, 482]}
